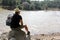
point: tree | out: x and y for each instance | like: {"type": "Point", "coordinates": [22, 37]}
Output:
{"type": "Point", "coordinates": [26, 5]}
{"type": "Point", "coordinates": [32, 6]}
{"type": "Point", "coordinates": [9, 3]}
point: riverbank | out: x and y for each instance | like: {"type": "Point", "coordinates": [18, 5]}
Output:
{"type": "Point", "coordinates": [53, 36]}
{"type": "Point", "coordinates": [49, 9]}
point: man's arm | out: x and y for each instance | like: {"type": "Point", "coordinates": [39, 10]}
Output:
{"type": "Point", "coordinates": [21, 22]}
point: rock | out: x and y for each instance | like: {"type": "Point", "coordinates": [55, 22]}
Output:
{"type": "Point", "coordinates": [14, 36]}
{"type": "Point", "coordinates": [4, 36]}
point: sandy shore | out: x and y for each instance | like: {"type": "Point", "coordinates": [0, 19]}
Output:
{"type": "Point", "coordinates": [53, 36]}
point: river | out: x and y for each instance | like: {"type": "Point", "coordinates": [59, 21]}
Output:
{"type": "Point", "coordinates": [38, 22]}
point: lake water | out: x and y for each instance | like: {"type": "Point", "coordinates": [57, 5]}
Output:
{"type": "Point", "coordinates": [38, 22]}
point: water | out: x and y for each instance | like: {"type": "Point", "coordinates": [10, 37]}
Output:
{"type": "Point", "coordinates": [37, 21]}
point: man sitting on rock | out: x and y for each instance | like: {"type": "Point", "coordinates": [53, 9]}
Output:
{"type": "Point", "coordinates": [16, 26]}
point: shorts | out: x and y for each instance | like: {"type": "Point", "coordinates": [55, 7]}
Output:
{"type": "Point", "coordinates": [17, 27]}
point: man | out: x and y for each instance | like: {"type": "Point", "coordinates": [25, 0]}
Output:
{"type": "Point", "coordinates": [16, 26]}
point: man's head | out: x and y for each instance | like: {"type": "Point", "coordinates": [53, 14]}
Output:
{"type": "Point", "coordinates": [17, 11]}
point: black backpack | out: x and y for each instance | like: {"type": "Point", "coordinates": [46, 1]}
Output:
{"type": "Point", "coordinates": [8, 20]}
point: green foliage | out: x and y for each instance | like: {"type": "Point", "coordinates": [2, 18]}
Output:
{"type": "Point", "coordinates": [30, 5]}
{"type": "Point", "coordinates": [9, 4]}
{"type": "Point", "coordinates": [26, 5]}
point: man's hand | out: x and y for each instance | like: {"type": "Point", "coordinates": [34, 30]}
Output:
{"type": "Point", "coordinates": [28, 33]}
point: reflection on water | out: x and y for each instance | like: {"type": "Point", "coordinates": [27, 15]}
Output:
{"type": "Point", "coordinates": [37, 21]}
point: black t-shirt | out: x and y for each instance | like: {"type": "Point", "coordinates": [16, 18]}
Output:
{"type": "Point", "coordinates": [15, 21]}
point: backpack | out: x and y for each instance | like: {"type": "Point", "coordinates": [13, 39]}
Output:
{"type": "Point", "coordinates": [8, 20]}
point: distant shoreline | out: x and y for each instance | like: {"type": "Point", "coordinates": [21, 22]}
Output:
{"type": "Point", "coordinates": [49, 9]}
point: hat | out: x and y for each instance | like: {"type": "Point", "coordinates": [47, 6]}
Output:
{"type": "Point", "coordinates": [17, 10]}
